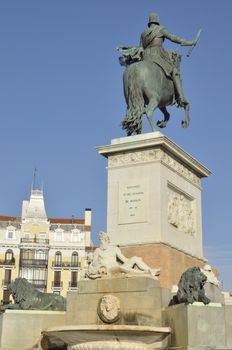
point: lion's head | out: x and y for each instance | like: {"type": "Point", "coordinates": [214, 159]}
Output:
{"type": "Point", "coordinates": [27, 297]}
{"type": "Point", "coordinates": [21, 289]}
{"type": "Point", "coordinates": [191, 287]}
{"type": "Point", "coordinates": [192, 279]}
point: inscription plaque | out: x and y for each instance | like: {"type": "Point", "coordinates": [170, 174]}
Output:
{"type": "Point", "coordinates": [133, 201]}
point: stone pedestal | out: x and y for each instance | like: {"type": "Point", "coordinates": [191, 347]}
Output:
{"type": "Point", "coordinates": [139, 298]}
{"type": "Point", "coordinates": [154, 196]}
{"type": "Point", "coordinates": [214, 293]}
{"type": "Point", "coordinates": [228, 319]}
{"type": "Point", "coordinates": [196, 326]}
{"type": "Point", "coordinates": [21, 329]}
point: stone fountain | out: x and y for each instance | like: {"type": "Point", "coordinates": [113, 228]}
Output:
{"type": "Point", "coordinates": [118, 306]}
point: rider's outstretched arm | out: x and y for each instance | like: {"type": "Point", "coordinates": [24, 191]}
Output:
{"type": "Point", "coordinates": [177, 39]}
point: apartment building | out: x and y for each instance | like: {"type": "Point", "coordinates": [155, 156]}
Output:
{"type": "Point", "coordinates": [49, 252]}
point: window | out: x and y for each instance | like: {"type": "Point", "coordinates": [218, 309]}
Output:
{"type": "Point", "coordinates": [59, 235]}
{"type": "Point", "coordinates": [58, 259]}
{"type": "Point", "coordinates": [35, 274]}
{"type": "Point", "coordinates": [10, 233]}
{"type": "Point", "coordinates": [9, 255]}
{"type": "Point", "coordinates": [27, 254]}
{"type": "Point", "coordinates": [75, 236]}
{"type": "Point", "coordinates": [7, 278]}
{"type": "Point", "coordinates": [40, 255]}
{"type": "Point", "coordinates": [57, 279]}
{"type": "Point", "coordinates": [74, 259]}
{"type": "Point", "coordinates": [6, 297]}
{"type": "Point", "coordinates": [27, 273]}
{"type": "Point", "coordinates": [42, 237]}
{"type": "Point", "coordinates": [39, 275]}
{"type": "Point", "coordinates": [73, 279]}
{"type": "Point", "coordinates": [26, 235]}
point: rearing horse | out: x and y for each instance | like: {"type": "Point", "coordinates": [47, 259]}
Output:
{"type": "Point", "coordinates": [146, 87]}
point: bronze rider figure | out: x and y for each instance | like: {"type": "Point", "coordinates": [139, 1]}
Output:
{"type": "Point", "coordinates": [152, 43]}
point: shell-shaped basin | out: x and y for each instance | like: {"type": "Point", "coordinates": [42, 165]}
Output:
{"type": "Point", "coordinates": [106, 337]}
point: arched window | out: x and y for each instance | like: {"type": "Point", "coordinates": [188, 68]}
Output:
{"type": "Point", "coordinates": [9, 255]}
{"type": "Point", "coordinates": [58, 259]}
{"type": "Point", "coordinates": [74, 259]}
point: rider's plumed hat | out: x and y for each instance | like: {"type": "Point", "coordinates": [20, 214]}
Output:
{"type": "Point", "coordinates": [153, 18]}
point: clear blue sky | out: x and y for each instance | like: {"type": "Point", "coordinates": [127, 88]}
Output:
{"type": "Point", "coordinates": [61, 96]}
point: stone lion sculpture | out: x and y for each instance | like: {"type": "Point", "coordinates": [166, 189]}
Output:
{"type": "Point", "coordinates": [191, 288]}
{"type": "Point", "coordinates": [27, 297]}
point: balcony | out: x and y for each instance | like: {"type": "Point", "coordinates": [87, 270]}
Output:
{"type": "Point", "coordinates": [72, 286]}
{"type": "Point", "coordinates": [67, 264]}
{"type": "Point", "coordinates": [33, 262]}
{"type": "Point", "coordinates": [35, 240]}
{"type": "Point", "coordinates": [40, 284]}
{"type": "Point", "coordinates": [6, 283]}
{"type": "Point", "coordinates": [6, 302]}
{"type": "Point", "coordinates": [10, 262]}
{"type": "Point", "coordinates": [57, 284]}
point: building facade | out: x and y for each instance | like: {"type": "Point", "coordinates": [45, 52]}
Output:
{"type": "Point", "coordinates": [49, 252]}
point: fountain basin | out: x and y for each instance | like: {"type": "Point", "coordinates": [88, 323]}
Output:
{"type": "Point", "coordinates": [106, 337]}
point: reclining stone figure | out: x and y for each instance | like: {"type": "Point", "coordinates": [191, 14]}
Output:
{"type": "Point", "coordinates": [108, 261]}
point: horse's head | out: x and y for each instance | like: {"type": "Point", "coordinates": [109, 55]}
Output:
{"type": "Point", "coordinates": [129, 55]}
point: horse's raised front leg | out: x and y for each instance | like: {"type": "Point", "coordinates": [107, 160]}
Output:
{"type": "Point", "coordinates": [163, 123]}
{"type": "Point", "coordinates": [152, 105]}
{"type": "Point", "coordinates": [186, 121]}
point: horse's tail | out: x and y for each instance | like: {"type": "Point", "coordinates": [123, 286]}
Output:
{"type": "Point", "coordinates": [132, 122]}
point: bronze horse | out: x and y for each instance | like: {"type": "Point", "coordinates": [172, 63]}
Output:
{"type": "Point", "coordinates": [146, 87]}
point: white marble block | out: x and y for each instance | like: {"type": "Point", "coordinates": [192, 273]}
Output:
{"type": "Point", "coordinates": [154, 193]}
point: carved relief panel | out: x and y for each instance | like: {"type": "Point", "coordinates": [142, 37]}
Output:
{"type": "Point", "coordinates": [181, 211]}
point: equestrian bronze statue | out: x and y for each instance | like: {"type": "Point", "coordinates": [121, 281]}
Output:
{"type": "Point", "coordinates": [152, 77]}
